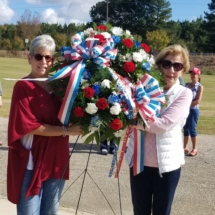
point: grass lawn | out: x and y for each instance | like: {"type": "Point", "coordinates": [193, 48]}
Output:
{"type": "Point", "coordinates": [18, 68]}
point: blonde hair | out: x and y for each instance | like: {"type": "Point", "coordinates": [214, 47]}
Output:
{"type": "Point", "coordinates": [174, 50]}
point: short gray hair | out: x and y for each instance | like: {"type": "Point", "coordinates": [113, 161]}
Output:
{"type": "Point", "coordinates": [42, 41]}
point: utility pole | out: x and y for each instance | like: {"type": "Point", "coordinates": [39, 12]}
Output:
{"type": "Point", "coordinates": [107, 12]}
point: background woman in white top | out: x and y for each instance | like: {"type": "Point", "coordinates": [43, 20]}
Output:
{"type": "Point", "coordinates": [190, 126]}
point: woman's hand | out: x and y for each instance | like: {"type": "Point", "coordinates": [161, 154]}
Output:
{"type": "Point", "coordinates": [52, 130]}
{"type": "Point", "coordinates": [139, 127]}
{"type": "Point", "coordinates": [73, 130]}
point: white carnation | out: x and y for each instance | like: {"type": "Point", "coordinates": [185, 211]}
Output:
{"type": "Point", "coordinates": [115, 109]}
{"type": "Point", "coordinates": [143, 53]}
{"type": "Point", "coordinates": [117, 31]}
{"type": "Point", "coordinates": [151, 60]}
{"type": "Point", "coordinates": [128, 57]}
{"type": "Point", "coordinates": [127, 32]}
{"type": "Point", "coordinates": [91, 108]}
{"type": "Point", "coordinates": [106, 35]}
{"type": "Point", "coordinates": [106, 83]}
{"type": "Point", "coordinates": [88, 31]}
{"type": "Point", "coordinates": [119, 133]}
{"type": "Point", "coordinates": [137, 57]}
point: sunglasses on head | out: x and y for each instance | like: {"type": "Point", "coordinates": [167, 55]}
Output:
{"type": "Point", "coordinates": [39, 57]}
{"type": "Point", "coordinates": [166, 64]}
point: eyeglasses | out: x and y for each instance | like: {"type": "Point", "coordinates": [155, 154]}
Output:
{"type": "Point", "coordinates": [39, 57]}
{"type": "Point", "coordinates": [166, 64]}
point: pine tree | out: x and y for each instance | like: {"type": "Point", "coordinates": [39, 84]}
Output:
{"type": "Point", "coordinates": [209, 26]}
{"type": "Point", "coordinates": [138, 16]}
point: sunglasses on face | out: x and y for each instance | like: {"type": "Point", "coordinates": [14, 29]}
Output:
{"type": "Point", "coordinates": [166, 64]}
{"type": "Point", "coordinates": [39, 57]}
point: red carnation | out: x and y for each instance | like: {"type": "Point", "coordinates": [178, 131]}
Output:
{"type": "Point", "coordinates": [89, 92]}
{"type": "Point", "coordinates": [128, 43]}
{"type": "Point", "coordinates": [101, 28]}
{"type": "Point", "coordinates": [78, 111]}
{"type": "Point", "coordinates": [145, 47]}
{"type": "Point", "coordinates": [116, 124]}
{"type": "Point", "coordinates": [129, 66]}
{"type": "Point", "coordinates": [102, 103]}
{"type": "Point", "coordinates": [100, 37]}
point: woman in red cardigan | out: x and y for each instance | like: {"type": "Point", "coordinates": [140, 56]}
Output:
{"type": "Point", "coordinates": [37, 140]}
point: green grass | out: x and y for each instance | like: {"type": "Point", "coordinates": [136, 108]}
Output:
{"type": "Point", "coordinates": [18, 68]}
{"type": "Point", "coordinates": [11, 68]}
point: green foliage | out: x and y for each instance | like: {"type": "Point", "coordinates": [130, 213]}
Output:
{"type": "Point", "coordinates": [157, 39]}
{"type": "Point", "coordinates": [60, 40]}
{"type": "Point", "coordinates": [209, 27]}
{"type": "Point", "coordinates": [18, 43]}
{"type": "Point", "coordinates": [208, 72]}
{"type": "Point", "coordinates": [6, 44]}
{"type": "Point", "coordinates": [137, 16]}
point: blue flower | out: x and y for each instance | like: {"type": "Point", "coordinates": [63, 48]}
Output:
{"type": "Point", "coordinates": [113, 99]}
{"type": "Point", "coordinates": [137, 44]}
{"type": "Point", "coordinates": [116, 39]}
{"type": "Point", "coordinates": [146, 66]}
{"type": "Point", "coordinates": [95, 121]}
{"type": "Point", "coordinates": [96, 88]}
{"type": "Point", "coordinates": [86, 74]}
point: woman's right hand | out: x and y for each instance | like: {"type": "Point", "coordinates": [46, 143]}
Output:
{"type": "Point", "coordinates": [73, 130]}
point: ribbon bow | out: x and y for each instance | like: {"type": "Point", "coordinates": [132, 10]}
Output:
{"type": "Point", "coordinates": [81, 51]}
{"type": "Point", "coordinates": [148, 97]}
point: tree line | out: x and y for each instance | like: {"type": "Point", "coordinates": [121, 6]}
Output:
{"type": "Point", "coordinates": [148, 20]}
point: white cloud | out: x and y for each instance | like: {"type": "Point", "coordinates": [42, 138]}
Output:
{"type": "Point", "coordinates": [76, 11]}
{"type": "Point", "coordinates": [33, 1]}
{"type": "Point", "coordinates": [6, 13]}
{"type": "Point", "coordinates": [51, 16]}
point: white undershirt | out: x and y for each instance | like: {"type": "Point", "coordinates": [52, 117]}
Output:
{"type": "Point", "coordinates": [27, 141]}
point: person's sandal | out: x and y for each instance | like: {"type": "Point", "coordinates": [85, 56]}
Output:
{"type": "Point", "coordinates": [186, 151]}
{"type": "Point", "coordinates": [193, 152]}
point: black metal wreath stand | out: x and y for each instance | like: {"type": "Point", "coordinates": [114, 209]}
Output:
{"type": "Point", "coordinates": [85, 172]}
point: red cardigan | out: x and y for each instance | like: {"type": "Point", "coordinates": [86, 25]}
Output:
{"type": "Point", "coordinates": [32, 106]}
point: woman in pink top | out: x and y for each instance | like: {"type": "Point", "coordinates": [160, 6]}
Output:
{"type": "Point", "coordinates": [153, 189]}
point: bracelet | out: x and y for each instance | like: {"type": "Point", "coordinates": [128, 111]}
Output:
{"type": "Point", "coordinates": [64, 129]}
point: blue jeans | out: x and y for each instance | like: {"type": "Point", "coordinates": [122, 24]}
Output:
{"type": "Point", "coordinates": [190, 126]}
{"type": "Point", "coordinates": [152, 193]}
{"type": "Point", "coordinates": [47, 202]}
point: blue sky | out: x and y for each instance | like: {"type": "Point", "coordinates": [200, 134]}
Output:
{"type": "Point", "coordinates": [64, 11]}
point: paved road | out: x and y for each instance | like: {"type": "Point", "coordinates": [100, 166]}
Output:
{"type": "Point", "coordinates": [195, 194]}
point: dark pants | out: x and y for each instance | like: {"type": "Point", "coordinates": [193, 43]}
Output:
{"type": "Point", "coordinates": [104, 145]}
{"type": "Point", "coordinates": [152, 193]}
